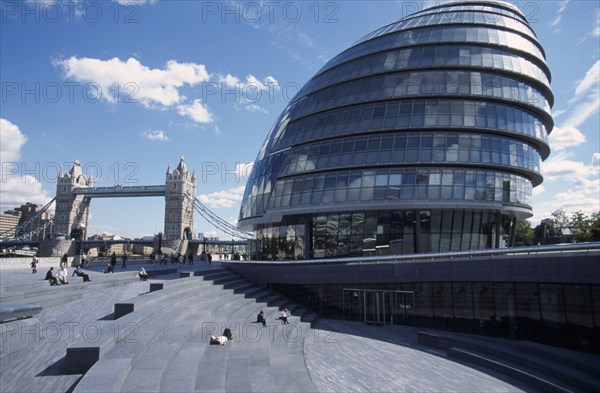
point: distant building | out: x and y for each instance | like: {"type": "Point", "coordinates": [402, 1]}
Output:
{"type": "Point", "coordinates": [30, 210]}
{"type": "Point", "coordinates": [8, 221]}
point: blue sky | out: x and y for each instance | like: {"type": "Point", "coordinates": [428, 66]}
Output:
{"type": "Point", "coordinates": [127, 87]}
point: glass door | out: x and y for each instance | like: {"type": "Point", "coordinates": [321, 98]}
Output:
{"type": "Point", "coordinates": [404, 308]}
{"type": "Point", "coordinates": [374, 307]}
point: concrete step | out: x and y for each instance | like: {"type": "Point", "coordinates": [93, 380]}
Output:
{"type": "Point", "coordinates": [150, 307]}
{"type": "Point", "coordinates": [131, 357]}
{"type": "Point", "coordinates": [505, 368]}
{"type": "Point", "coordinates": [556, 366]}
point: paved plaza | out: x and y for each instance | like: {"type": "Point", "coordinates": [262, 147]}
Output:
{"type": "Point", "coordinates": [173, 354]}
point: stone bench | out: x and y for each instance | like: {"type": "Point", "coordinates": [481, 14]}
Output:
{"type": "Point", "coordinates": [18, 311]}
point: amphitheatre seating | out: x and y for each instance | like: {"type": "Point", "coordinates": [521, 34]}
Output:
{"type": "Point", "coordinates": [147, 306]}
{"type": "Point", "coordinates": [172, 351]}
{"type": "Point", "coordinates": [151, 319]}
{"type": "Point", "coordinates": [47, 296]}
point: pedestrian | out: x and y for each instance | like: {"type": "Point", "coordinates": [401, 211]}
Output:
{"type": "Point", "coordinates": [113, 261]}
{"type": "Point", "coordinates": [124, 265]}
{"type": "Point", "coordinates": [209, 257]}
{"type": "Point", "coordinates": [34, 262]}
{"type": "Point", "coordinates": [191, 258]}
{"type": "Point", "coordinates": [64, 259]}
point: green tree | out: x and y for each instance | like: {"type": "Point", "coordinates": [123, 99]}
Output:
{"type": "Point", "coordinates": [581, 225]}
{"type": "Point", "coordinates": [595, 227]}
{"type": "Point", "coordinates": [523, 233]}
{"type": "Point", "coordinates": [560, 221]}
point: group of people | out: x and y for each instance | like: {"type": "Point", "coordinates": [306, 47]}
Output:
{"type": "Point", "coordinates": [61, 278]}
{"type": "Point", "coordinates": [284, 314]}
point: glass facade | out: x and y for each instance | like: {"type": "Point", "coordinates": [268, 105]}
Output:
{"type": "Point", "coordinates": [557, 314]}
{"type": "Point", "coordinates": [426, 135]}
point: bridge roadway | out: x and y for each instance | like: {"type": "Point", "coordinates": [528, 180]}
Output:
{"type": "Point", "coordinates": [120, 191]}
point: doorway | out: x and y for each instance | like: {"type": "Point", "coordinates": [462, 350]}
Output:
{"type": "Point", "coordinates": [379, 307]}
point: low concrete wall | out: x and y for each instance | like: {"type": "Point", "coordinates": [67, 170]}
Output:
{"type": "Point", "coordinates": [56, 248]}
{"type": "Point", "coordinates": [570, 268]}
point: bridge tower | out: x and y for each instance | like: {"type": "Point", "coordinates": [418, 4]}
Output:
{"type": "Point", "coordinates": [72, 211]}
{"type": "Point", "coordinates": [179, 212]}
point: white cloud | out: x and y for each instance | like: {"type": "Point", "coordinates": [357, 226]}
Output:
{"type": "Point", "coordinates": [156, 135]}
{"type": "Point", "coordinates": [256, 108]}
{"type": "Point", "coordinates": [217, 130]}
{"type": "Point", "coordinates": [583, 105]}
{"type": "Point", "coordinates": [538, 190]}
{"type": "Point", "coordinates": [561, 138]}
{"type": "Point", "coordinates": [225, 198]}
{"type": "Point", "coordinates": [11, 141]}
{"type": "Point", "coordinates": [589, 81]}
{"type": "Point", "coordinates": [243, 170]}
{"type": "Point", "coordinates": [229, 80]}
{"type": "Point", "coordinates": [196, 111]}
{"type": "Point", "coordinates": [579, 182]}
{"type": "Point", "coordinates": [134, 81]}
{"type": "Point", "coordinates": [19, 189]}
{"type": "Point", "coordinates": [16, 188]}
{"type": "Point", "coordinates": [553, 169]}
{"type": "Point", "coordinates": [587, 97]}
{"type": "Point", "coordinates": [595, 33]}
{"type": "Point", "coordinates": [556, 22]}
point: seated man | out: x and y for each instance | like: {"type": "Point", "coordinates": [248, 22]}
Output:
{"type": "Point", "coordinates": [109, 269]}
{"type": "Point", "coordinates": [283, 317]}
{"type": "Point", "coordinates": [79, 273]}
{"type": "Point", "coordinates": [260, 318]}
{"type": "Point", "coordinates": [63, 274]}
{"type": "Point", "coordinates": [51, 277]}
{"type": "Point", "coordinates": [143, 274]}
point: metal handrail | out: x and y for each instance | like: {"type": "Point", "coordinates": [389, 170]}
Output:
{"type": "Point", "coordinates": [497, 252]}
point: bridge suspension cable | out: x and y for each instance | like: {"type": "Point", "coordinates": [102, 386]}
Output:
{"type": "Point", "coordinates": [217, 221]}
{"type": "Point", "coordinates": [15, 232]}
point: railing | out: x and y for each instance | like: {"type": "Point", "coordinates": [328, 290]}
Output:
{"type": "Point", "coordinates": [431, 257]}
{"type": "Point", "coordinates": [118, 189]}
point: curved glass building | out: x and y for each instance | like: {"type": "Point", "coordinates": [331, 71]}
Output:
{"type": "Point", "coordinates": [425, 136]}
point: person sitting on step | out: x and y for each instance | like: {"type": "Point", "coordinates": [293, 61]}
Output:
{"type": "Point", "coordinates": [260, 318]}
{"type": "Point", "coordinates": [51, 277]}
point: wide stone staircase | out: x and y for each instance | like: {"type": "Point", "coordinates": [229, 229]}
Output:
{"type": "Point", "coordinates": [163, 344]}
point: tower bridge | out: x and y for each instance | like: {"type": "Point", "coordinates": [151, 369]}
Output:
{"type": "Point", "coordinates": [74, 194]}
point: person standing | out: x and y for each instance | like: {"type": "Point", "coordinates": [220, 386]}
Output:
{"type": "Point", "coordinates": [113, 261]}
{"type": "Point", "coordinates": [124, 264]}
{"type": "Point", "coordinates": [34, 262]}
{"type": "Point", "coordinates": [209, 257]}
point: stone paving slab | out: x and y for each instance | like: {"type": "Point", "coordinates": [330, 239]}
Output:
{"type": "Point", "coordinates": [362, 363]}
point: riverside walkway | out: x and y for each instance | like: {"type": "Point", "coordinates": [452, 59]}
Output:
{"type": "Point", "coordinates": [162, 345]}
